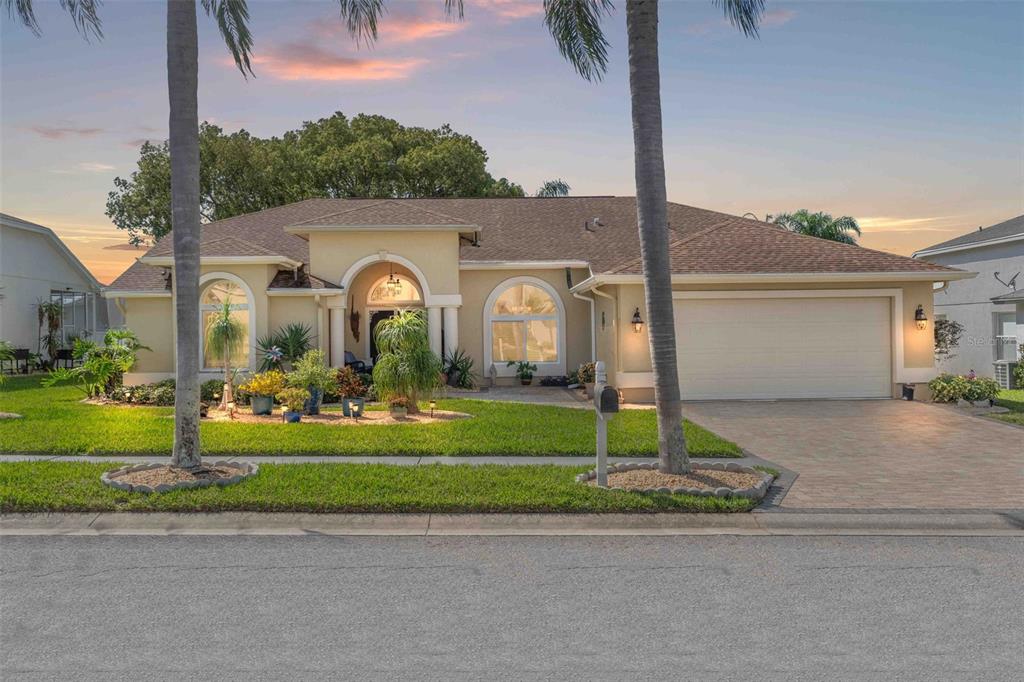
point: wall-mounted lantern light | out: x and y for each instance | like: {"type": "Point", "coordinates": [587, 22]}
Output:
{"type": "Point", "coordinates": [920, 319]}
{"type": "Point", "coordinates": [638, 323]}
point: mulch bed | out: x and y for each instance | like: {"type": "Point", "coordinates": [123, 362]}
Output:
{"type": "Point", "coordinates": [369, 418]}
{"type": "Point", "coordinates": [172, 475]}
{"type": "Point", "coordinates": [703, 479]}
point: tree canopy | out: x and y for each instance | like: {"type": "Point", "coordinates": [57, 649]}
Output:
{"type": "Point", "coordinates": [821, 225]}
{"type": "Point", "coordinates": [365, 156]}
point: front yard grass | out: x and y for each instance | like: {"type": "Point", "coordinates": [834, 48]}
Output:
{"type": "Point", "coordinates": [345, 487]}
{"type": "Point", "coordinates": [56, 422]}
{"type": "Point", "coordinates": [1014, 400]}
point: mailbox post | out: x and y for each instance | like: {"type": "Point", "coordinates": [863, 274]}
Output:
{"type": "Point", "coordinates": [606, 404]}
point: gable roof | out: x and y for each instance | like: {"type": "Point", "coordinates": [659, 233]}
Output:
{"type": "Point", "coordinates": [1006, 231]}
{"type": "Point", "coordinates": [62, 248]}
{"type": "Point", "coordinates": [600, 231]}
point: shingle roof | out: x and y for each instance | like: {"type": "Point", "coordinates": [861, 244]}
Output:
{"type": "Point", "coordinates": [1007, 228]}
{"type": "Point", "coordinates": [142, 277]}
{"type": "Point", "coordinates": [749, 246]}
{"type": "Point", "coordinates": [601, 231]}
{"type": "Point", "coordinates": [387, 212]}
{"type": "Point", "coordinates": [1012, 297]}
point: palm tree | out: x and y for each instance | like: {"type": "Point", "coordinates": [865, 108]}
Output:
{"type": "Point", "coordinates": [821, 225]}
{"type": "Point", "coordinates": [232, 16]}
{"type": "Point", "coordinates": [406, 366]}
{"type": "Point", "coordinates": [576, 28]}
{"type": "Point", "coordinates": [224, 337]}
{"type": "Point", "coordinates": [553, 188]}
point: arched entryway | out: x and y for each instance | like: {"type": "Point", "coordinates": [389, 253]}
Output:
{"type": "Point", "coordinates": [386, 296]}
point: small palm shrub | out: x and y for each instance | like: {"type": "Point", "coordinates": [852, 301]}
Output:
{"type": "Point", "coordinates": [101, 369]}
{"type": "Point", "coordinates": [406, 366]}
{"type": "Point", "coordinates": [459, 368]}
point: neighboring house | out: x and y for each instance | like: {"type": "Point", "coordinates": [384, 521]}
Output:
{"type": "Point", "coordinates": [760, 312]}
{"type": "Point", "coordinates": [987, 306]}
{"type": "Point", "coordinates": [35, 266]}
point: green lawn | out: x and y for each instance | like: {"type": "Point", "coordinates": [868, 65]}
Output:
{"type": "Point", "coordinates": [1015, 401]}
{"type": "Point", "coordinates": [346, 487]}
{"type": "Point", "coordinates": [56, 422]}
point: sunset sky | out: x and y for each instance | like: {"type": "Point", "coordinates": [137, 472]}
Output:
{"type": "Point", "coordinates": [907, 116]}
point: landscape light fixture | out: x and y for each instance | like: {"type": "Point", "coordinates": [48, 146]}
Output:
{"type": "Point", "coordinates": [638, 323]}
{"type": "Point", "coordinates": [354, 407]}
{"type": "Point", "coordinates": [433, 404]}
{"type": "Point", "coordinates": [920, 319]}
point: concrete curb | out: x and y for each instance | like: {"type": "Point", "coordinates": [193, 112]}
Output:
{"type": "Point", "coordinates": [257, 523]}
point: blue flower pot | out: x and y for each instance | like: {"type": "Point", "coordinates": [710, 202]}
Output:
{"type": "Point", "coordinates": [262, 404]}
{"type": "Point", "coordinates": [292, 417]}
{"type": "Point", "coordinates": [312, 406]}
{"type": "Point", "coordinates": [347, 403]}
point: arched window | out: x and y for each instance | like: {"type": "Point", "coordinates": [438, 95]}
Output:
{"type": "Point", "coordinates": [524, 320]}
{"type": "Point", "coordinates": [394, 290]}
{"type": "Point", "coordinates": [211, 302]}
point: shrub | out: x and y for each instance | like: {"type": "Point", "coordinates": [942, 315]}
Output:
{"type": "Point", "coordinates": [287, 344]}
{"type": "Point", "coordinates": [293, 398]}
{"type": "Point", "coordinates": [586, 373]}
{"type": "Point", "coordinates": [406, 366]}
{"type": "Point", "coordinates": [459, 368]}
{"type": "Point", "coordinates": [264, 383]}
{"type": "Point", "coordinates": [399, 401]}
{"type": "Point", "coordinates": [554, 381]}
{"type": "Point", "coordinates": [210, 390]}
{"type": "Point", "coordinates": [350, 384]}
{"type": "Point", "coordinates": [311, 371]}
{"type": "Point", "coordinates": [949, 388]}
{"type": "Point", "coordinates": [1018, 372]}
{"type": "Point", "coordinates": [102, 368]}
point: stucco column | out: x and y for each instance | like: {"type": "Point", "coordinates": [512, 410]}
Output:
{"type": "Point", "coordinates": [434, 328]}
{"type": "Point", "coordinates": [337, 325]}
{"type": "Point", "coordinates": [451, 329]}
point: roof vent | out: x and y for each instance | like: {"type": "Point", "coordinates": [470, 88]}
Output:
{"type": "Point", "coordinates": [592, 225]}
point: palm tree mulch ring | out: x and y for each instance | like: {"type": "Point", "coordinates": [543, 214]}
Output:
{"type": "Point", "coordinates": [162, 478]}
{"type": "Point", "coordinates": [720, 479]}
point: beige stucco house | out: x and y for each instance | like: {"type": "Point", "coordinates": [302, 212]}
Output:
{"type": "Point", "coordinates": [760, 312]}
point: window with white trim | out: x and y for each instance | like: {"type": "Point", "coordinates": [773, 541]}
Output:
{"type": "Point", "coordinates": [211, 302]}
{"type": "Point", "coordinates": [524, 322]}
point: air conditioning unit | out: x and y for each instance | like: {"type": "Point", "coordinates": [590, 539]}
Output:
{"type": "Point", "coordinates": [1004, 374]}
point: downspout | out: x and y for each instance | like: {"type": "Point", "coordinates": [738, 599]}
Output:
{"type": "Point", "coordinates": [615, 323]}
{"type": "Point", "coordinates": [593, 326]}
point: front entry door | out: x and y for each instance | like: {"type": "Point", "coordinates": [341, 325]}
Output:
{"type": "Point", "coordinates": [375, 317]}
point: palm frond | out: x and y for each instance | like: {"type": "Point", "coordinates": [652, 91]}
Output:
{"type": "Point", "coordinates": [83, 14]}
{"type": "Point", "coordinates": [576, 27]}
{"type": "Point", "coordinates": [454, 7]}
{"type": "Point", "coordinates": [743, 14]}
{"type": "Point", "coordinates": [361, 18]}
{"type": "Point", "coordinates": [233, 22]}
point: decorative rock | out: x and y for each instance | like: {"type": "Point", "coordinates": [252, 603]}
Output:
{"type": "Point", "coordinates": [163, 488]}
{"type": "Point", "coordinates": [141, 489]}
{"type": "Point", "coordinates": [10, 415]}
{"type": "Point", "coordinates": [664, 491]}
{"type": "Point", "coordinates": [722, 492]}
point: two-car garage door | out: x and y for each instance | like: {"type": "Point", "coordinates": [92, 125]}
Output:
{"type": "Point", "coordinates": [758, 348]}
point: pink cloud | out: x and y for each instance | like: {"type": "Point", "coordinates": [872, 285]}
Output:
{"type": "Point", "coordinates": [303, 62]}
{"type": "Point", "coordinates": [777, 17]}
{"type": "Point", "coordinates": [512, 9]}
{"type": "Point", "coordinates": [411, 29]}
{"type": "Point", "coordinates": [60, 132]}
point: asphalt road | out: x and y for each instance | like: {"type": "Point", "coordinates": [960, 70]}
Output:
{"type": "Point", "coordinates": [511, 608]}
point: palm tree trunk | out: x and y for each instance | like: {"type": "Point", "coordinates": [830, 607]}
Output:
{"type": "Point", "coordinates": [652, 219]}
{"type": "Point", "coordinates": [182, 91]}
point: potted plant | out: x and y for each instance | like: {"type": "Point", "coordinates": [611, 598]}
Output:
{"type": "Point", "coordinates": [263, 387]}
{"type": "Point", "coordinates": [399, 406]}
{"type": "Point", "coordinates": [524, 370]}
{"type": "Point", "coordinates": [293, 399]}
{"type": "Point", "coordinates": [351, 389]}
{"type": "Point", "coordinates": [586, 376]}
{"type": "Point", "coordinates": [459, 370]}
{"type": "Point", "coordinates": [312, 373]}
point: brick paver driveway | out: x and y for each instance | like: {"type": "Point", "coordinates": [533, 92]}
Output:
{"type": "Point", "coordinates": [878, 453]}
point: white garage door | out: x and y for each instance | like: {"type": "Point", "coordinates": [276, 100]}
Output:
{"type": "Point", "coordinates": [784, 348]}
